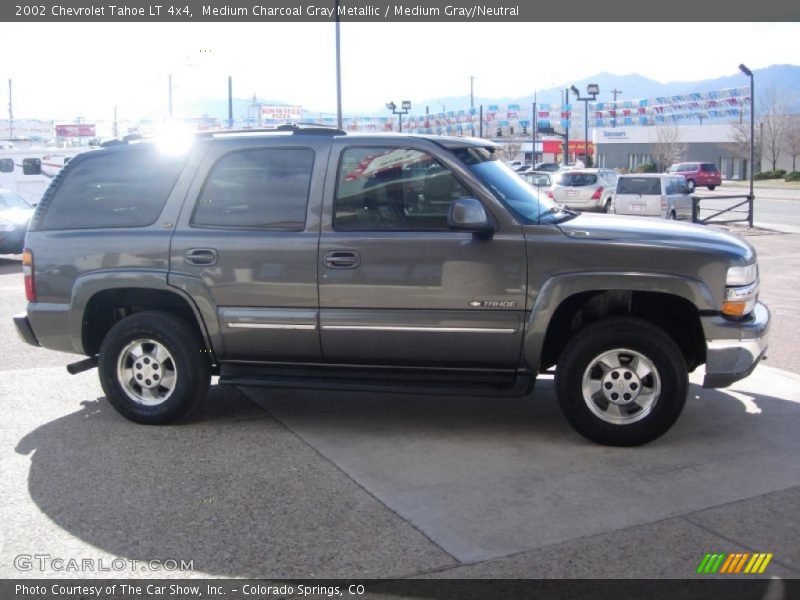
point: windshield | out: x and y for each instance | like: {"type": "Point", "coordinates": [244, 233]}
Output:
{"type": "Point", "coordinates": [639, 185]}
{"type": "Point", "coordinates": [525, 201]}
{"type": "Point", "coordinates": [9, 200]}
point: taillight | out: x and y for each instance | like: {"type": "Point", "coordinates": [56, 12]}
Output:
{"type": "Point", "coordinates": [27, 272]}
{"type": "Point", "coordinates": [550, 194]}
{"type": "Point", "coordinates": [597, 193]}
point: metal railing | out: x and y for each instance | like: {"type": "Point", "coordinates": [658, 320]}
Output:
{"type": "Point", "coordinates": [712, 218]}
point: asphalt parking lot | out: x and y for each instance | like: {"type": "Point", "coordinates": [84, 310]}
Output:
{"type": "Point", "coordinates": [278, 483]}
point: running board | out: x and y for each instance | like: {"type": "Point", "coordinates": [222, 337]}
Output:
{"type": "Point", "coordinates": [513, 386]}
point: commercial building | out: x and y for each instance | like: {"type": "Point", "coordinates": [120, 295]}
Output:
{"type": "Point", "coordinates": [630, 147]}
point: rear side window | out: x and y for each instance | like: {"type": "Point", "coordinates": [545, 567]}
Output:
{"type": "Point", "coordinates": [647, 186]}
{"type": "Point", "coordinates": [266, 188]}
{"type": "Point", "coordinates": [117, 188]}
{"type": "Point", "coordinates": [576, 179]}
{"type": "Point", "coordinates": [709, 167]}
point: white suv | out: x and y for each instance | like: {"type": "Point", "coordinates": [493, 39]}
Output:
{"type": "Point", "coordinates": [653, 195]}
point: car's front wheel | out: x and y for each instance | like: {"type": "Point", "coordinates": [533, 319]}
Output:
{"type": "Point", "coordinates": [621, 381]}
{"type": "Point", "coordinates": [152, 367]}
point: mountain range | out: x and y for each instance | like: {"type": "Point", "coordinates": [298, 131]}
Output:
{"type": "Point", "coordinates": [632, 86]}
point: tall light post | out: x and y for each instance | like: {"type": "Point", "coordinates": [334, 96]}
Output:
{"type": "Point", "coordinates": [406, 106]}
{"type": "Point", "coordinates": [749, 73]}
{"type": "Point", "coordinates": [592, 89]}
{"type": "Point", "coordinates": [338, 72]}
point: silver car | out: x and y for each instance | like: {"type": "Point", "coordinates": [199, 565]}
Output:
{"type": "Point", "coordinates": [653, 195]}
{"type": "Point", "coordinates": [541, 180]}
{"type": "Point", "coordinates": [584, 189]}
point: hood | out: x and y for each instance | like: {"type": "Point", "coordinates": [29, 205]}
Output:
{"type": "Point", "coordinates": [17, 216]}
{"type": "Point", "coordinates": [653, 231]}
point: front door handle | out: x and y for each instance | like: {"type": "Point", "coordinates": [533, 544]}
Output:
{"type": "Point", "coordinates": [341, 259]}
{"type": "Point", "coordinates": [201, 257]}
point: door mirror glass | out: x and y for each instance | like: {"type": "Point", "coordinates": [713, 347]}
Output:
{"type": "Point", "coordinates": [467, 214]}
{"type": "Point", "coordinates": [6, 165]}
{"type": "Point", "coordinates": [31, 166]}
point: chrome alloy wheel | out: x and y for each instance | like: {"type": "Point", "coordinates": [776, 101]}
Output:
{"type": "Point", "coordinates": [147, 372]}
{"type": "Point", "coordinates": [621, 386]}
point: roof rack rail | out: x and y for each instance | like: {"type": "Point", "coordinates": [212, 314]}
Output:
{"type": "Point", "coordinates": [293, 127]}
{"type": "Point", "coordinates": [310, 127]}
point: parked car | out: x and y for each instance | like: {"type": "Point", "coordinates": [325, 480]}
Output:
{"type": "Point", "coordinates": [538, 179]}
{"type": "Point", "coordinates": [653, 195]}
{"type": "Point", "coordinates": [585, 189]}
{"type": "Point", "coordinates": [698, 174]}
{"type": "Point", "coordinates": [310, 257]}
{"type": "Point", "coordinates": [15, 214]}
{"type": "Point", "coordinates": [547, 166]}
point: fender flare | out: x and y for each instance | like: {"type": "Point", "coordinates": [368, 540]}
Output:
{"type": "Point", "coordinates": [89, 284]}
{"type": "Point", "coordinates": [558, 288]}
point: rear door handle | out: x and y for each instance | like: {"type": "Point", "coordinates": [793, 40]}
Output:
{"type": "Point", "coordinates": [341, 259]}
{"type": "Point", "coordinates": [201, 256]}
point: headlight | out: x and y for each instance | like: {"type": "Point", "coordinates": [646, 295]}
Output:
{"type": "Point", "coordinates": [742, 275]}
{"type": "Point", "coordinates": [741, 292]}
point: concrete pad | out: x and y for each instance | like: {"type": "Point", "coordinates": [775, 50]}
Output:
{"type": "Point", "coordinates": [231, 490]}
{"type": "Point", "coordinates": [769, 523]}
{"type": "Point", "coordinates": [486, 477]}
{"type": "Point", "coordinates": [672, 548]}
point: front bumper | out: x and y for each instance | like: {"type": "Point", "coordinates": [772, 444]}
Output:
{"type": "Point", "coordinates": [24, 330]}
{"type": "Point", "coordinates": [734, 349]}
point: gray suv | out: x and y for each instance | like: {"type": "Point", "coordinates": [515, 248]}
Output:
{"type": "Point", "coordinates": [308, 257]}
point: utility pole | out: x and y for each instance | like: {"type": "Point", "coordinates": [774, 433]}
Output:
{"type": "Point", "coordinates": [10, 112]}
{"type": "Point", "coordinates": [471, 90]}
{"type": "Point", "coordinates": [615, 91]}
{"type": "Point", "coordinates": [230, 102]}
{"type": "Point", "coordinates": [338, 72]}
{"type": "Point", "coordinates": [566, 129]}
{"type": "Point", "coordinates": [533, 130]}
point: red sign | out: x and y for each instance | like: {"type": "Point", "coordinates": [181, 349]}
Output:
{"type": "Point", "coordinates": [575, 146]}
{"type": "Point", "coordinates": [82, 130]}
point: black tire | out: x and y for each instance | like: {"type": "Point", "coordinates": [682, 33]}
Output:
{"type": "Point", "coordinates": [711, 187]}
{"type": "Point", "coordinates": [672, 216]}
{"type": "Point", "coordinates": [190, 370]}
{"type": "Point", "coordinates": [607, 336]}
{"type": "Point", "coordinates": [690, 185]}
{"type": "Point", "coordinates": [607, 206]}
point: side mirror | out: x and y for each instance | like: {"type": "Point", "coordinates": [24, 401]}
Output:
{"type": "Point", "coordinates": [6, 165]}
{"type": "Point", "coordinates": [31, 166]}
{"type": "Point", "coordinates": [467, 214]}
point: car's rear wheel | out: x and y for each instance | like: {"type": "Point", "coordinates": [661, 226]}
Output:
{"type": "Point", "coordinates": [711, 187]}
{"type": "Point", "coordinates": [621, 381]}
{"type": "Point", "coordinates": [152, 367]}
{"type": "Point", "coordinates": [672, 216]}
{"type": "Point", "coordinates": [607, 206]}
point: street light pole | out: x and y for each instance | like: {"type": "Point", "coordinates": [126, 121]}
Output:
{"type": "Point", "coordinates": [749, 73]}
{"type": "Point", "coordinates": [592, 89]}
{"type": "Point", "coordinates": [338, 73]}
{"type": "Point", "coordinates": [406, 106]}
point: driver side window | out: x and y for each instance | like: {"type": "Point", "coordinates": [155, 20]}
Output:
{"type": "Point", "coordinates": [393, 188]}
